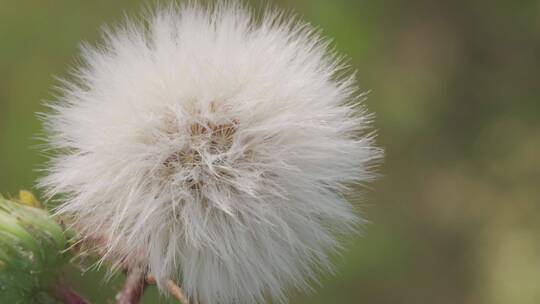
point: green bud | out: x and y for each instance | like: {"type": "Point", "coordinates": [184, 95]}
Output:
{"type": "Point", "coordinates": [32, 253]}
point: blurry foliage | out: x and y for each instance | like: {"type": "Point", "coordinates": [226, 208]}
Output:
{"type": "Point", "coordinates": [455, 86]}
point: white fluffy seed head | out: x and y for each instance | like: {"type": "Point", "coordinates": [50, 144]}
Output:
{"type": "Point", "coordinates": [213, 149]}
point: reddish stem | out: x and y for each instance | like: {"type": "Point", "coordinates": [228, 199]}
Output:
{"type": "Point", "coordinates": [67, 295]}
{"type": "Point", "coordinates": [133, 288]}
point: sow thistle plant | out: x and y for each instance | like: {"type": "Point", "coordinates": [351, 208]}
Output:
{"type": "Point", "coordinates": [212, 149]}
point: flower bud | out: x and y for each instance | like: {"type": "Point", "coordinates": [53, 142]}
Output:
{"type": "Point", "coordinates": [31, 251]}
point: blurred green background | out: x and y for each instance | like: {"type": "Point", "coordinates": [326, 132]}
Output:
{"type": "Point", "coordinates": [455, 86]}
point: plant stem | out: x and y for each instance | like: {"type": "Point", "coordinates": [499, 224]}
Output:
{"type": "Point", "coordinates": [67, 295]}
{"type": "Point", "coordinates": [133, 288]}
{"type": "Point", "coordinates": [177, 292]}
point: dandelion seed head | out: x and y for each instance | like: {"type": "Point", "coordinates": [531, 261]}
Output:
{"type": "Point", "coordinates": [212, 148]}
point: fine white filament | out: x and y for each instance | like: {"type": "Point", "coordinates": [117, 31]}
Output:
{"type": "Point", "coordinates": [213, 147]}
